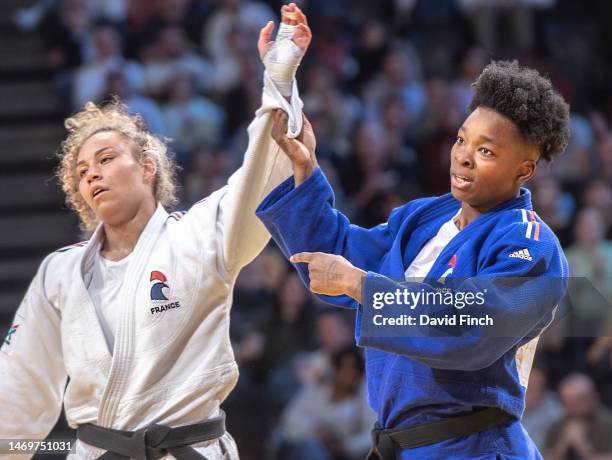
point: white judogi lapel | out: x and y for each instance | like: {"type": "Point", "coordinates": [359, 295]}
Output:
{"type": "Point", "coordinates": [118, 376]}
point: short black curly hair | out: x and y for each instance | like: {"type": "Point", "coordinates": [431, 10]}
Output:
{"type": "Point", "coordinates": [529, 100]}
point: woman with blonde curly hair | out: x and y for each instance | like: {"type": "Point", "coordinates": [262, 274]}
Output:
{"type": "Point", "coordinates": [146, 149]}
{"type": "Point", "coordinates": [136, 319]}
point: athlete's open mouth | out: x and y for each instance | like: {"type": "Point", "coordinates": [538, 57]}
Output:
{"type": "Point", "coordinates": [462, 178]}
{"type": "Point", "coordinates": [97, 192]}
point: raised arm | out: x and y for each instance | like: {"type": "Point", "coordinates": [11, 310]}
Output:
{"type": "Point", "coordinates": [264, 165]}
{"type": "Point", "coordinates": [300, 216]}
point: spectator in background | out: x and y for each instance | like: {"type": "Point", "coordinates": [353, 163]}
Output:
{"type": "Point", "coordinates": [171, 53]}
{"type": "Point", "coordinates": [604, 155]}
{"type": "Point", "coordinates": [144, 14]}
{"type": "Point", "coordinates": [209, 167]}
{"type": "Point", "coordinates": [542, 406]}
{"type": "Point", "coordinates": [400, 74]}
{"type": "Point", "coordinates": [239, 105]}
{"type": "Point", "coordinates": [117, 84]}
{"type": "Point", "coordinates": [580, 343]}
{"type": "Point", "coordinates": [440, 96]}
{"type": "Point", "coordinates": [370, 50]}
{"type": "Point", "coordinates": [189, 118]}
{"type": "Point", "coordinates": [382, 163]}
{"type": "Point", "coordinates": [471, 65]}
{"type": "Point", "coordinates": [575, 166]}
{"type": "Point", "coordinates": [569, 39]}
{"type": "Point", "coordinates": [598, 195]}
{"type": "Point", "coordinates": [437, 30]}
{"type": "Point", "coordinates": [229, 66]}
{"type": "Point", "coordinates": [333, 333]}
{"type": "Point", "coordinates": [583, 432]}
{"type": "Point", "coordinates": [366, 174]}
{"type": "Point", "coordinates": [289, 329]}
{"type": "Point", "coordinates": [441, 119]}
{"type": "Point", "coordinates": [147, 18]}
{"type": "Point", "coordinates": [323, 96]}
{"type": "Point", "coordinates": [590, 258]}
{"type": "Point", "coordinates": [599, 357]}
{"type": "Point", "coordinates": [503, 25]}
{"type": "Point", "coordinates": [330, 147]}
{"type": "Point", "coordinates": [590, 295]}
{"type": "Point", "coordinates": [402, 159]}
{"type": "Point", "coordinates": [255, 294]}
{"type": "Point", "coordinates": [332, 41]}
{"type": "Point", "coordinates": [67, 34]}
{"type": "Point", "coordinates": [257, 287]}
{"type": "Point", "coordinates": [287, 333]}
{"type": "Point", "coordinates": [331, 419]}
{"type": "Point", "coordinates": [264, 274]}
{"type": "Point", "coordinates": [554, 205]}
{"type": "Point", "coordinates": [249, 16]}
{"type": "Point", "coordinates": [90, 78]}
{"type": "Point", "coordinates": [110, 10]}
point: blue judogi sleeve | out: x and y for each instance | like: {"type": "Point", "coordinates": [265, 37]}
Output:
{"type": "Point", "coordinates": [519, 294]}
{"type": "Point", "coordinates": [310, 223]}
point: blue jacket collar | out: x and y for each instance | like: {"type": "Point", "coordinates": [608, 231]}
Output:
{"type": "Point", "coordinates": [448, 203]}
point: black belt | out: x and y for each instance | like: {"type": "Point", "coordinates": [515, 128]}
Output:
{"type": "Point", "coordinates": [384, 442]}
{"type": "Point", "coordinates": [153, 441]}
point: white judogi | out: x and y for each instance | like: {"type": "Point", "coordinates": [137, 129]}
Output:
{"type": "Point", "coordinates": [172, 361]}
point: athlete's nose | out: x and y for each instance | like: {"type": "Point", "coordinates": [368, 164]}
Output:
{"type": "Point", "coordinates": [464, 157]}
{"type": "Point", "coordinates": [93, 174]}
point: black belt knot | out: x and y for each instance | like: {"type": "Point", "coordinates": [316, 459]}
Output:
{"type": "Point", "coordinates": [153, 441]}
{"type": "Point", "coordinates": [382, 445]}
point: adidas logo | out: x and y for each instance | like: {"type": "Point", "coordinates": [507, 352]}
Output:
{"type": "Point", "coordinates": [522, 254]}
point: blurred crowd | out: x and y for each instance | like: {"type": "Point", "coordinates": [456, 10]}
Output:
{"type": "Point", "coordinates": [385, 85]}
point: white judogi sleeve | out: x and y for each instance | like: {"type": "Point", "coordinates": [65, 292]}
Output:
{"type": "Point", "coordinates": [264, 167]}
{"type": "Point", "coordinates": [32, 372]}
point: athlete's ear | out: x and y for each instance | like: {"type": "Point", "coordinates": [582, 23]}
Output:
{"type": "Point", "coordinates": [150, 169]}
{"type": "Point", "coordinates": [526, 171]}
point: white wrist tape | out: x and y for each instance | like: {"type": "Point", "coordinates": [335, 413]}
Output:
{"type": "Point", "coordinates": [283, 59]}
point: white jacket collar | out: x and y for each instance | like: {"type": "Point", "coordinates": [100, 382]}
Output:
{"type": "Point", "coordinates": [156, 221]}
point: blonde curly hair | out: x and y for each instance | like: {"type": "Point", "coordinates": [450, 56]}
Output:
{"type": "Point", "coordinates": [113, 116]}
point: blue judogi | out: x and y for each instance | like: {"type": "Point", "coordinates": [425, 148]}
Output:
{"type": "Point", "coordinates": [416, 380]}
